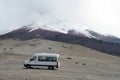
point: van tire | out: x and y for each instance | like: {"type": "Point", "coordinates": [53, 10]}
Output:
{"type": "Point", "coordinates": [28, 66]}
{"type": "Point", "coordinates": [51, 67]}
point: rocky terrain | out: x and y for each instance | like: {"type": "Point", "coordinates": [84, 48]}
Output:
{"type": "Point", "coordinates": [77, 62]}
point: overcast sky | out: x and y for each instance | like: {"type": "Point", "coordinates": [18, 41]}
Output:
{"type": "Point", "coordinates": [99, 15]}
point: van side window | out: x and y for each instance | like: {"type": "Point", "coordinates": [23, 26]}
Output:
{"type": "Point", "coordinates": [33, 58]}
{"type": "Point", "coordinates": [41, 58]}
{"type": "Point", "coordinates": [50, 59]}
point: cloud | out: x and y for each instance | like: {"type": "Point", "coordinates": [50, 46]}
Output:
{"type": "Point", "coordinates": [20, 12]}
{"type": "Point", "coordinates": [94, 14]}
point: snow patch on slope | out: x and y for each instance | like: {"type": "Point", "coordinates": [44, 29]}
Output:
{"type": "Point", "coordinates": [62, 27]}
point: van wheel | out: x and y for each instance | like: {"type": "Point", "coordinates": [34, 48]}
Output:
{"type": "Point", "coordinates": [51, 67]}
{"type": "Point", "coordinates": [28, 66]}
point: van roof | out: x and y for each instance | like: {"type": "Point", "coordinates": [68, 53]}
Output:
{"type": "Point", "coordinates": [47, 54]}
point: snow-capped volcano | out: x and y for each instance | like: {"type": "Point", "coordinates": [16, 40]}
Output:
{"type": "Point", "coordinates": [50, 23]}
{"type": "Point", "coordinates": [48, 26]}
{"type": "Point", "coordinates": [62, 27]}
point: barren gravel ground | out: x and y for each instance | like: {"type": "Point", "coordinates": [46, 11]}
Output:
{"type": "Point", "coordinates": [85, 64]}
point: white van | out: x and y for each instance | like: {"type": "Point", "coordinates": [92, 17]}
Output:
{"type": "Point", "coordinates": [43, 59]}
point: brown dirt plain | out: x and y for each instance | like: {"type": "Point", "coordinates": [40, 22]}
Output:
{"type": "Point", "coordinates": [85, 63]}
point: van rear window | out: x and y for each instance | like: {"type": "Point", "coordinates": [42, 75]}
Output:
{"type": "Point", "coordinates": [44, 58]}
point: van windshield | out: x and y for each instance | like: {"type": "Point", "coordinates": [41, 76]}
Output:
{"type": "Point", "coordinates": [33, 58]}
{"type": "Point", "coordinates": [44, 58]}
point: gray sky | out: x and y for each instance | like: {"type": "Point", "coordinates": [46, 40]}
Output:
{"type": "Point", "coordinates": [99, 15]}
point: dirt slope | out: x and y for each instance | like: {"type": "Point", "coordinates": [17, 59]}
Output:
{"type": "Point", "coordinates": [85, 64]}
